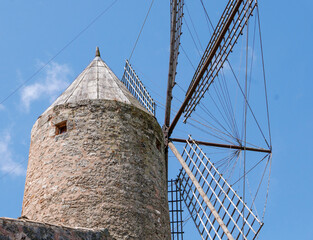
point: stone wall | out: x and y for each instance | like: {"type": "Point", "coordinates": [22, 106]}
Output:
{"type": "Point", "coordinates": [107, 170]}
{"type": "Point", "coordinates": [13, 229]}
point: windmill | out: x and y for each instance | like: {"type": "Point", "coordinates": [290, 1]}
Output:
{"type": "Point", "coordinates": [209, 187]}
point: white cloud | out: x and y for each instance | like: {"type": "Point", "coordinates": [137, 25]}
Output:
{"type": "Point", "coordinates": [54, 81]}
{"type": "Point", "coordinates": [1, 107]}
{"type": "Point", "coordinates": [7, 164]}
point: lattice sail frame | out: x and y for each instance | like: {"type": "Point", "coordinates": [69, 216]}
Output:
{"type": "Point", "coordinates": [175, 209]}
{"type": "Point", "coordinates": [225, 47]}
{"type": "Point", "coordinates": [176, 32]}
{"type": "Point", "coordinates": [236, 215]}
{"type": "Point", "coordinates": [136, 88]}
{"type": "Point", "coordinates": [177, 21]}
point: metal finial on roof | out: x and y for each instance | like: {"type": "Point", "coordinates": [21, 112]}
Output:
{"type": "Point", "coordinates": [97, 52]}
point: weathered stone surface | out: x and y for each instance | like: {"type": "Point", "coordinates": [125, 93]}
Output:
{"type": "Point", "coordinates": [106, 171]}
{"type": "Point", "coordinates": [13, 229]}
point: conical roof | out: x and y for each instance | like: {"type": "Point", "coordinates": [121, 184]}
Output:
{"type": "Point", "coordinates": [97, 81]}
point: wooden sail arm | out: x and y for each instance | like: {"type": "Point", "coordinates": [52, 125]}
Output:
{"type": "Point", "coordinates": [219, 145]}
{"type": "Point", "coordinates": [220, 45]}
{"type": "Point", "coordinates": [176, 25]}
{"type": "Point", "coordinates": [176, 30]}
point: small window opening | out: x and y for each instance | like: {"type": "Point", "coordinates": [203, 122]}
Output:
{"type": "Point", "coordinates": [60, 128]}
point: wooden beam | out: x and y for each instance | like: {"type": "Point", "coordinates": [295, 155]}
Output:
{"type": "Point", "coordinates": [176, 23]}
{"type": "Point", "coordinates": [175, 29]}
{"type": "Point", "coordinates": [219, 145]}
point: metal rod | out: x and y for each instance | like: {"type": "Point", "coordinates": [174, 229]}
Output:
{"type": "Point", "coordinates": [224, 145]}
{"type": "Point", "coordinates": [200, 190]}
{"type": "Point", "coordinates": [204, 67]}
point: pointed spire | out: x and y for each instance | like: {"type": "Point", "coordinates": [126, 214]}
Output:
{"type": "Point", "coordinates": [97, 52]}
{"type": "Point", "coordinates": [97, 81]}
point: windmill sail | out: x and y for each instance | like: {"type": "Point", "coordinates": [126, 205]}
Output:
{"type": "Point", "coordinates": [225, 36]}
{"type": "Point", "coordinates": [234, 18]}
{"type": "Point", "coordinates": [216, 209]}
{"type": "Point", "coordinates": [176, 31]}
{"type": "Point", "coordinates": [175, 209]}
{"type": "Point", "coordinates": [135, 86]}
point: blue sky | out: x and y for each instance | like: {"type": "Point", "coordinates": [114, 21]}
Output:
{"type": "Point", "coordinates": [32, 32]}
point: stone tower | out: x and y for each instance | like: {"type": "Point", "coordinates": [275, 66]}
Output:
{"type": "Point", "coordinates": [96, 161]}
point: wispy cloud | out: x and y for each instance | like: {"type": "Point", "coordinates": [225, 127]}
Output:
{"type": "Point", "coordinates": [238, 64]}
{"type": "Point", "coordinates": [1, 107]}
{"type": "Point", "coordinates": [54, 81]}
{"type": "Point", "coordinates": [7, 164]}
